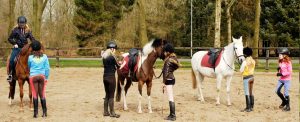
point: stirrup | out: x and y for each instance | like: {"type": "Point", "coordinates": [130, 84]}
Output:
{"type": "Point", "coordinates": [9, 78]}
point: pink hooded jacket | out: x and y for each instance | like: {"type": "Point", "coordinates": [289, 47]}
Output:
{"type": "Point", "coordinates": [285, 70]}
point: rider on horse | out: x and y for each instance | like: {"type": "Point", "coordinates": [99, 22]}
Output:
{"type": "Point", "coordinates": [18, 38]}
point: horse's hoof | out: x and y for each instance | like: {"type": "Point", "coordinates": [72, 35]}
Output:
{"type": "Point", "coordinates": [218, 103]}
{"type": "Point", "coordinates": [125, 108]}
{"type": "Point", "coordinates": [31, 109]}
{"type": "Point", "coordinates": [140, 111]}
{"type": "Point", "coordinates": [9, 102]}
{"type": "Point", "coordinates": [229, 104]}
{"type": "Point", "coordinates": [21, 110]}
{"type": "Point", "coordinates": [150, 111]}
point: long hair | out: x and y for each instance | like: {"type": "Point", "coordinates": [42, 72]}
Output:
{"type": "Point", "coordinates": [37, 54]}
{"type": "Point", "coordinates": [285, 59]}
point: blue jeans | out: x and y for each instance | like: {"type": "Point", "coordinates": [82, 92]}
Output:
{"type": "Point", "coordinates": [246, 85]}
{"type": "Point", "coordinates": [15, 52]}
{"type": "Point", "coordinates": [286, 84]}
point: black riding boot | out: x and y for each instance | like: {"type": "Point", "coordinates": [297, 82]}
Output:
{"type": "Point", "coordinates": [43, 102]}
{"type": "Point", "coordinates": [247, 109]}
{"type": "Point", "coordinates": [106, 113]}
{"type": "Point", "coordinates": [172, 115]}
{"type": "Point", "coordinates": [251, 102]}
{"type": "Point", "coordinates": [284, 102]}
{"type": "Point", "coordinates": [287, 107]}
{"type": "Point", "coordinates": [35, 107]}
{"type": "Point", "coordinates": [111, 107]}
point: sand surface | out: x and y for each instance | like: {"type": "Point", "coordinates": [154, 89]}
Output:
{"type": "Point", "coordinates": [75, 95]}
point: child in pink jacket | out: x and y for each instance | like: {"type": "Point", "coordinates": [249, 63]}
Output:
{"type": "Point", "coordinates": [285, 74]}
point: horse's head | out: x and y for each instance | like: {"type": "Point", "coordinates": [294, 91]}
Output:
{"type": "Point", "coordinates": [158, 45]}
{"type": "Point", "coordinates": [238, 49]}
{"type": "Point", "coordinates": [26, 50]}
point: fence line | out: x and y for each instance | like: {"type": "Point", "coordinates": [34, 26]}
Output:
{"type": "Point", "coordinates": [58, 52]}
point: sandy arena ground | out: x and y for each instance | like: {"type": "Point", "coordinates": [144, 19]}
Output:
{"type": "Point", "coordinates": [75, 95]}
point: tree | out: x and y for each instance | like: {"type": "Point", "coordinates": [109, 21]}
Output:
{"type": "Point", "coordinates": [217, 42]}
{"type": "Point", "coordinates": [142, 23]}
{"type": "Point", "coordinates": [229, 3]}
{"type": "Point", "coordinates": [38, 10]}
{"type": "Point", "coordinates": [12, 4]}
{"type": "Point", "coordinates": [256, 28]}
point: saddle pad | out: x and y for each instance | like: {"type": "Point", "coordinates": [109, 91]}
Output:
{"type": "Point", "coordinates": [125, 68]}
{"type": "Point", "coordinates": [205, 62]}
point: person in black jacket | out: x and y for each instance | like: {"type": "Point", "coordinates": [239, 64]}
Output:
{"type": "Point", "coordinates": [170, 65]}
{"type": "Point", "coordinates": [18, 38]}
{"type": "Point", "coordinates": [109, 80]}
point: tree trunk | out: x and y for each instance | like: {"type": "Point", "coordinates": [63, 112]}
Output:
{"type": "Point", "coordinates": [12, 4]}
{"type": "Point", "coordinates": [22, 7]}
{"type": "Point", "coordinates": [228, 16]}
{"type": "Point", "coordinates": [256, 29]}
{"type": "Point", "coordinates": [217, 42]}
{"type": "Point", "coordinates": [38, 9]}
{"type": "Point", "coordinates": [142, 28]}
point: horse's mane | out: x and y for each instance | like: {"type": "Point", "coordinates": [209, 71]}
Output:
{"type": "Point", "coordinates": [25, 50]}
{"type": "Point", "coordinates": [149, 47]}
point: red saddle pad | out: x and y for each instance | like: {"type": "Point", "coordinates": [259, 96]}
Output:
{"type": "Point", "coordinates": [205, 62]}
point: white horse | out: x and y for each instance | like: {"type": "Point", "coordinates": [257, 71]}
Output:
{"type": "Point", "coordinates": [225, 69]}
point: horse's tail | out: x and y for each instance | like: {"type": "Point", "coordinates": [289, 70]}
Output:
{"type": "Point", "coordinates": [118, 95]}
{"type": "Point", "coordinates": [194, 80]}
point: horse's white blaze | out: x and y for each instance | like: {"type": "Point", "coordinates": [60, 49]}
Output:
{"type": "Point", "coordinates": [140, 103]}
{"type": "Point", "coordinates": [149, 104]}
{"type": "Point", "coordinates": [124, 97]}
{"type": "Point", "coordinates": [225, 69]}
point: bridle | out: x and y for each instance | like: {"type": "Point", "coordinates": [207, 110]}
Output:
{"type": "Point", "coordinates": [236, 58]}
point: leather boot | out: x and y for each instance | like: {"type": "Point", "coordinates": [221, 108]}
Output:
{"type": "Point", "coordinates": [251, 102]}
{"type": "Point", "coordinates": [111, 107]}
{"type": "Point", "coordinates": [106, 113]}
{"type": "Point", "coordinates": [172, 115]}
{"type": "Point", "coordinates": [44, 106]}
{"type": "Point", "coordinates": [287, 107]}
{"type": "Point", "coordinates": [283, 103]}
{"type": "Point", "coordinates": [247, 109]}
{"type": "Point", "coordinates": [35, 107]}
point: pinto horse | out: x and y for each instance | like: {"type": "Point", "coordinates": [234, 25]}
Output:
{"type": "Point", "coordinates": [144, 74]}
{"type": "Point", "coordinates": [21, 75]}
{"type": "Point", "coordinates": [225, 68]}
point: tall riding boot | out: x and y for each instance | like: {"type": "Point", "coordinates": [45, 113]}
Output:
{"type": "Point", "coordinates": [284, 102]}
{"type": "Point", "coordinates": [111, 107]}
{"type": "Point", "coordinates": [247, 109]}
{"type": "Point", "coordinates": [106, 113]}
{"type": "Point", "coordinates": [172, 115]}
{"type": "Point", "coordinates": [287, 107]}
{"type": "Point", "coordinates": [35, 107]}
{"type": "Point", "coordinates": [251, 102]}
{"type": "Point", "coordinates": [44, 106]}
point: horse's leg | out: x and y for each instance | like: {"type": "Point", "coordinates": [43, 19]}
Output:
{"type": "Point", "coordinates": [149, 85]}
{"type": "Point", "coordinates": [200, 79]}
{"type": "Point", "coordinates": [12, 89]}
{"type": "Point", "coordinates": [123, 91]}
{"type": "Point", "coordinates": [21, 83]}
{"type": "Point", "coordinates": [219, 82]}
{"type": "Point", "coordinates": [30, 96]}
{"type": "Point", "coordinates": [140, 87]}
{"type": "Point", "coordinates": [228, 81]}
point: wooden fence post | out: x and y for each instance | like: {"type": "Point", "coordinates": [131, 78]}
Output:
{"type": "Point", "coordinates": [267, 59]}
{"type": "Point", "coordinates": [57, 57]}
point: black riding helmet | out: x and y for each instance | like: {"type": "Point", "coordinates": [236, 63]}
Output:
{"type": "Point", "coordinates": [36, 45]}
{"type": "Point", "coordinates": [169, 48]}
{"type": "Point", "coordinates": [22, 20]}
{"type": "Point", "coordinates": [247, 51]}
{"type": "Point", "coordinates": [111, 44]}
{"type": "Point", "coordinates": [283, 50]}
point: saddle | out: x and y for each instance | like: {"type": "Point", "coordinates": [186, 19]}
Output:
{"type": "Point", "coordinates": [130, 67]}
{"type": "Point", "coordinates": [212, 58]}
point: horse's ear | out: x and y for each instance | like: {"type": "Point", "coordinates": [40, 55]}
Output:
{"type": "Point", "coordinates": [233, 39]}
{"type": "Point", "coordinates": [241, 38]}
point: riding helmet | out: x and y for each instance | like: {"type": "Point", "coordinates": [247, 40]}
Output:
{"type": "Point", "coordinates": [22, 20]}
{"type": "Point", "coordinates": [36, 45]}
{"type": "Point", "coordinates": [111, 44]}
{"type": "Point", "coordinates": [169, 48]}
{"type": "Point", "coordinates": [283, 50]}
{"type": "Point", "coordinates": [247, 51]}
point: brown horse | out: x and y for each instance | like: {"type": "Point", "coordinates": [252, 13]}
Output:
{"type": "Point", "coordinates": [21, 75]}
{"type": "Point", "coordinates": [151, 51]}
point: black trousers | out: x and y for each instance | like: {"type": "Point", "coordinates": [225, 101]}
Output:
{"type": "Point", "coordinates": [109, 85]}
